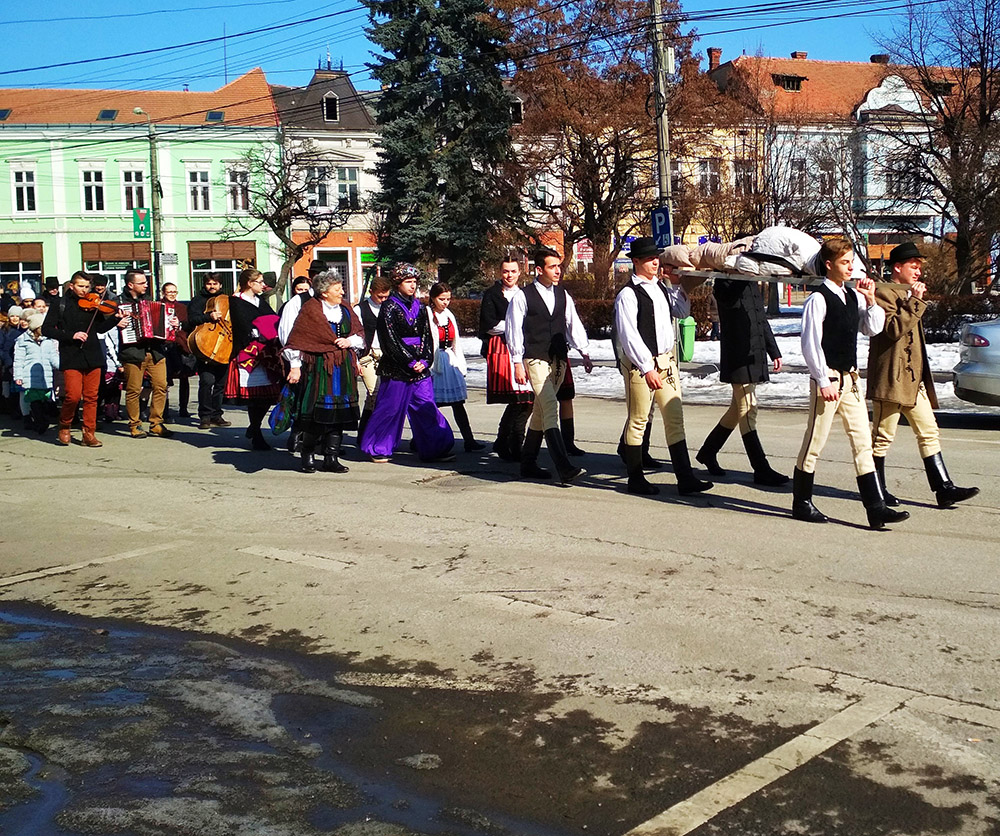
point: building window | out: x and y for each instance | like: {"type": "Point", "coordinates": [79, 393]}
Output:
{"type": "Point", "coordinates": [348, 196]}
{"type": "Point", "coordinates": [791, 83]}
{"type": "Point", "coordinates": [743, 179]}
{"type": "Point", "coordinates": [93, 190]}
{"type": "Point", "coordinates": [798, 179]}
{"type": "Point", "coordinates": [317, 186]}
{"type": "Point", "coordinates": [677, 182]}
{"type": "Point", "coordinates": [22, 272]}
{"type": "Point", "coordinates": [239, 190]}
{"type": "Point", "coordinates": [199, 189]}
{"type": "Point", "coordinates": [710, 176]}
{"type": "Point", "coordinates": [107, 116]}
{"type": "Point", "coordinates": [114, 271]}
{"type": "Point", "coordinates": [226, 270]}
{"type": "Point", "coordinates": [827, 178]}
{"type": "Point", "coordinates": [902, 176]}
{"type": "Point", "coordinates": [331, 108]}
{"type": "Point", "coordinates": [516, 112]}
{"type": "Point", "coordinates": [24, 190]}
{"type": "Point", "coordinates": [133, 189]}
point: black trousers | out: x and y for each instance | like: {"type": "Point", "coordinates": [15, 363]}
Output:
{"type": "Point", "coordinates": [211, 389]}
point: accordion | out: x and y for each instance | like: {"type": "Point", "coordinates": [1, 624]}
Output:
{"type": "Point", "coordinates": [147, 320]}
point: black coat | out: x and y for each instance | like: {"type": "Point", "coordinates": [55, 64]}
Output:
{"type": "Point", "coordinates": [747, 344]}
{"type": "Point", "coordinates": [62, 322]}
{"type": "Point", "coordinates": [196, 309]}
{"type": "Point", "coordinates": [401, 318]}
{"type": "Point", "coordinates": [242, 314]}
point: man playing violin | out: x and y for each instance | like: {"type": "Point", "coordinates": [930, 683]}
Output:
{"type": "Point", "coordinates": [75, 324]}
{"type": "Point", "coordinates": [211, 375]}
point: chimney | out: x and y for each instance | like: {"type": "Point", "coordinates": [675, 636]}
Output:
{"type": "Point", "coordinates": [714, 57]}
{"type": "Point", "coordinates": [800, 56]}
{"type": "Point", "coordinates": [881, 58]}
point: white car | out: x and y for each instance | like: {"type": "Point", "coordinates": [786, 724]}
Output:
{"type": "Point", "coordinates": [977, 375]}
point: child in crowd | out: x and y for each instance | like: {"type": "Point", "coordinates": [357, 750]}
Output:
{"type": "Point", "coordinates": [35, 371]}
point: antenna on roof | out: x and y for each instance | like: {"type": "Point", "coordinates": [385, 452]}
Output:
{"type": "Point", "coordinates": [341, 63]}
{"type": "Point", "coordinates": [329, 63]}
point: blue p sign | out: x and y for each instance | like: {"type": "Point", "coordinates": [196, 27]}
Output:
{"type": "Point", "coordinates": [661, 225]}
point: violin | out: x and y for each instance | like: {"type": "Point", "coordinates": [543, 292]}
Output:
{"type": "Point", "coordinates": [98, 303]}
{"type": "Point", "coordinates": [213, 340]}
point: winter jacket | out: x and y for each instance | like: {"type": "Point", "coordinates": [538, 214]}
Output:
{"type": "Point", "coordinates": [61, 325]}
{"type": "Point", "coordinates": [35, 362]}
{"type": "Point", "coordinates": [746, 341]}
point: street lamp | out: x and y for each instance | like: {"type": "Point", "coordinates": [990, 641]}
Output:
{"type": "Point", "coordinates": [155, 187]}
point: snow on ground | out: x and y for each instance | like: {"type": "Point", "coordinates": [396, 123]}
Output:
{"type": "Point", "coordinates": [788, 389]}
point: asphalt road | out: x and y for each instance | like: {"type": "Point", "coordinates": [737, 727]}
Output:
{"type": "Point", "coordinates": [581, 660]}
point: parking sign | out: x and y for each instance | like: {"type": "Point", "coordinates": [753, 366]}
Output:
{"type": "Point", "coordinates": [662, 226]}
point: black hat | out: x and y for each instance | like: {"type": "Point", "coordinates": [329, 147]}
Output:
{"type": "Point", "coordinates": [51, 282]}
{"type": "Point", "coordinates": [904, 252]}
{"type": "Point", "coordinates": [644, 248]}
{"type": "Point", "coordinates": [317, 266]}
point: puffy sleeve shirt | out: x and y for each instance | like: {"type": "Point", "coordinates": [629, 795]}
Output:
{"type": "Point", "coordinates": [576, 334]}
{"type": "Point", "coordinates": [871, 320]}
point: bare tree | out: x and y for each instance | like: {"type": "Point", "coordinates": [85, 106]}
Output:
{"type": "Point", "coordinates": [287, 189]}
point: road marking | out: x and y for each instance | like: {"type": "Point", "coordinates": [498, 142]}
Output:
{"type": "Point", "coordinates": [313, 561]}
{"type": "Point", "coordinates": [417, 680]}
{"type": "Point", "coordinates": [97, 561]}
{"type": "Point", "coordinates": [693, 812]}
{"type": "Point", "coordinates": [123, 521]}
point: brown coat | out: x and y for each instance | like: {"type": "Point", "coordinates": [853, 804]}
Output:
{"type": "Point", "coordinates": [897, 358]}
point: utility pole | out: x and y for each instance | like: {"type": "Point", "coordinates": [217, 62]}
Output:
{"type": "Point", "coordinates": [663, 64]}
{"type": "Point", "coordinates": [157, 241]}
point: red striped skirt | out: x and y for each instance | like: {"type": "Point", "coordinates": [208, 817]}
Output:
{"type": "Point", "coordinates": [500, 384]}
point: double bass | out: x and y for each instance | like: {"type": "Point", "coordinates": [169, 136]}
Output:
{"type": "Point", "coordinates": [213, 340]}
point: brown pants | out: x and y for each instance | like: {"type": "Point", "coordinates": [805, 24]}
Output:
{"type": "Point", "coordinates": [133, 388]}
{"type": "Point", "coordinates": [885, 416]}
{"type": "Point", "coordinates": [80, 384]}
{"type": "Point", "coordinates": [853, 412]}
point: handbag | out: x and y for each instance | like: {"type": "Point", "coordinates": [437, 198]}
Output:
{"type": "Point", "coordinates": [280, 418]}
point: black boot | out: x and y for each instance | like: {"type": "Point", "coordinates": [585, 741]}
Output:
{"type": "Point", "coordinates": [874, 501]}
{"type": "Point", "coordinates": [763, 473]}
{"type": "Point", "coordinates": [648, 462]}
{"type": "Point", "coordinates": [636, 479]}
{"type": "Point", "coordinates": [568, 437]}
{"type": "Point", "coordinates": [945, 490]}
{"type": "Point", "coordinates": [802, 494]}
{"type": "Point", "coordinates": [517, 431]}
{"type": "Point", "coordinates": [308, 453]}
{"type": "Point", "coordinates": [710, 449]}
{"type": "Point", "coordinates": [687, 482]}
{"type": "Point", "coordinates": [257, 441]}
{"type": "Point", "coordinates": [529, 456]}
{"type": "Point", "coordinates": [502, 445]}
{"type": "Point", "coordinates": [565, 469]}
{"type": "Point", "coordinates": [295, 441]}
{"type": "Point", "coordinates": [465, 428]}
{"type": "Point", "coordinates": [880, 472]}
{"type": "Point", "coordinates": [331, 452]}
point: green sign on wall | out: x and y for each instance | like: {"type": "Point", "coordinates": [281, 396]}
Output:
{"type": "Point", "coordinates": [142, 223]}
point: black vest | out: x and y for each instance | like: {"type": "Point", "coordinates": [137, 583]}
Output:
{"type": "Point", "coordinates": [369, 321]}
{"type": "Point", "coordinates": [646, 318]}
{"type": "Point", "coordinates": [544, 332]}
{"type": "Point", "coordinates": [840, 330]}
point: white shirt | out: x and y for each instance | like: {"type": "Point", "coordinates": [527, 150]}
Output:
{"type": "Point", "coordinates": [576, 334]}
{"type": "Point", "coordinates": [871, 320]}
{"type": "Point", "coordinates": [333, 313]}
{"type": "Point", "coordinates": [626, 320]}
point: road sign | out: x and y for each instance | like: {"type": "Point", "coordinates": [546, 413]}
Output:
{"type": "Point", "coordinates": [584, 250]}
{"type": "Point", "coordinates": [663, 232]}
{"type": "Point", "coordinates": [168, 258]}
{"type": "Point", "coordinates": [142, 223]}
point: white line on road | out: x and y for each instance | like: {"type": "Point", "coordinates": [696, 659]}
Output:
{"type": "Point", "coordinates": [313, 561]}
{"type": "Point", "coordinates": [123, 521]}
{"type": "Point", "coordinates": [97, 561]}
{"type": "Point", "coordinates": [693, 812]}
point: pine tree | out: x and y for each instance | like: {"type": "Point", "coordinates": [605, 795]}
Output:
{"type": "Point", "coordinates": [445, 119]}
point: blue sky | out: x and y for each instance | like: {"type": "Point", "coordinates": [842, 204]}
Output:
{"type": "Point", "coordinates": [303, 31]}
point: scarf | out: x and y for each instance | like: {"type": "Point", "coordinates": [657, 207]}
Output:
{"type": "Point", "coordinates": [314, 334]}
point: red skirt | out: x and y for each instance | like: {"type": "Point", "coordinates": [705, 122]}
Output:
{"type": "Point", "coordinates": [262, 384]}
{"type": "Point", "coordinates": [500, 384]}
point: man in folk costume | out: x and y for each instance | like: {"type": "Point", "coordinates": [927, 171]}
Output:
{"type": "Point", "coordinates": [541, 325]}
{"type": "Point", "coordinates": [831, 317]}
{"type": "Point", "coordinates": [405, 390]}
{"type": "Point", "coordinates": [211, 375]}
{"type": "Point", "coordinates": [500, 384]}
{"type": "Point", "coordinates": [899, 377]}
{"type": "Point", "coordinates": [645, 332]}
{"type": "Point", "coordinates": [321, 350]}
{"type": "Point", "coordinates": [367, 311]}
{"type": "Point", "coordinates": [746, 345]}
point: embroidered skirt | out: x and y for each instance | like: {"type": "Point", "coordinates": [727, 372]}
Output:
{"type": "Point", "coordinates": [449, 382]}
{"type": "Point", "coordinates": [327, 400]}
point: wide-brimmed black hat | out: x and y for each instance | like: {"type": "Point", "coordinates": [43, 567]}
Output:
{"type": "Point", "coordinates": [904, 252]}
{"type": "Point", "coordinates": [644, 248]}
{"type": "Point", "coordinates": [51, 282]}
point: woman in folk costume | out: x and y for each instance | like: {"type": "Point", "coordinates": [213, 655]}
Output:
{"type": "Point", "coordinates": [405, 387]}
{"type": "Point", "coordinates": [449, 368]}
{"type": "Point", "coordinates": [255, 373]}
{"type": "Point", "coordinates": [322, 351]}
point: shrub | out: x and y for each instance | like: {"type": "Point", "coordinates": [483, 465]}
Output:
{"type": "Point", "coordinates": [945, 315]}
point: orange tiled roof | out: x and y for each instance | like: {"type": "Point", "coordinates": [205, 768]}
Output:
{"type": "Point", "coordinates": [244, 101]}
{"type": "Point", "coordinates": [830, 89]}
